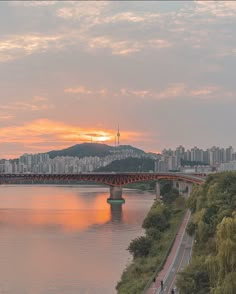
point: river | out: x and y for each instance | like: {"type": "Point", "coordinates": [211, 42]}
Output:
{"type": "Point", "coordinates": [66, 239]}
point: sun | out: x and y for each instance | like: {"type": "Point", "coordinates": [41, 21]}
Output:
{"type": "Point", "coordinates": [103, 138]}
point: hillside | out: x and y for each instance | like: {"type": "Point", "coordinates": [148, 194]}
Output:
{"type": "Point", "coordinates": [129, 165]}
{"type": "Point", "coordinates": [213, 225]}
{"type": "Point", "coordinates": [92, 149]}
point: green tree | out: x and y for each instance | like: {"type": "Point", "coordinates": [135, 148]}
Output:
{"type": "Point", "coordinates": [170, 196]}
{"type": "Point", "coordinates": [156, 219]}
{"type": "Point", "coordinates": [214, 224]}
{"type": "Point", "coordinates": [191, 227]}
{"type": "Point", "coordinates": [194, 279]}
{"type": "Point", "coordinates": [153, 233]}
{"type": "Point", "coordinates": [140, 247]}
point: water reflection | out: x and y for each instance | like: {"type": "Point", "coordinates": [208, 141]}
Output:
{"type": "Point", "coordinates": [116, 212]}
{"type": "Point", "coordinates": [67, 211]}
{"type": "Point", "coordinates": [65, 239]}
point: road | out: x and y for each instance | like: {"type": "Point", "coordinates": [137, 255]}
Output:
{"type": "Point", "coordinates": [181, 261]}
{"type": "Point", "coordinates": [178, 258]}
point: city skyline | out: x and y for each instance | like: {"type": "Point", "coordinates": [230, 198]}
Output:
{"type": "Point", "coordinates": [72, 71]}
{"type": "Point", "coordinates": [87, 159]}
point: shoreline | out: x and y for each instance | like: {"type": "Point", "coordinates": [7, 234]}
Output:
{"type": "Point", "coordinates": [142, 269]}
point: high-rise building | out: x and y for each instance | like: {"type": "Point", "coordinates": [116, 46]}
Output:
{"type": "Point", "coordinates": [229, 153]}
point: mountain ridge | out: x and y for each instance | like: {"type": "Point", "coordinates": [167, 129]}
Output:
{"type": "Point", "coordinates": [92, 149]}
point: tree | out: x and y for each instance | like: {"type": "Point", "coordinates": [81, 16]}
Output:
{"type": "Point", "coordinates": [170, 196]}
{"type": "Point", "coordinates": [153, 233]}
{"type": "Point", "coordinates": [156, 219]}
{"type": "Point", "coordinates": [214, 225]}
{"type": "Point", "coordinates": [194, 279]}
{"type": "Point", "coordinates": [140, 247]}
{"type": "Point", "coordinates": [191, 227]}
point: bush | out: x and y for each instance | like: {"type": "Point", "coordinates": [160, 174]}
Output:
{"type": "Point", "coordinates": [170, 196]}
{"type": "Point", "coordinates": [158, 219]}
{"type": "Point", "coordinates": [191, 227]}
{"type": "Point", "coordinates": [140, 247]}
{"type": "Point", "coordinates": [153, 233]}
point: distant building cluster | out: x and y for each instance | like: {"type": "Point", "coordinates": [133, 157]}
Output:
{"type": "Point", "coordinates": [188, 161]}
{"type": "Point", "coordinates": [195, 159]}
{"type": "Point", "coordinates": [42, 163]}
{"type": "Point", "coordinates": [227, 166]}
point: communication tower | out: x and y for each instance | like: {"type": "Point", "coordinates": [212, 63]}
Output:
{"type": "Point", "coordinates": [118, 136]}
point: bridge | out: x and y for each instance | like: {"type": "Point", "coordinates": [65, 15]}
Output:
{"type": "Point", "coordinates": [112, 179]}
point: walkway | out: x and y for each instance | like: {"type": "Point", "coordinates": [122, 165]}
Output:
{"type": "Point", "coordinates": [178, 258]}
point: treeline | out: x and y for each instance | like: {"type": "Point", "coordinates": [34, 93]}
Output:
{"type": "Point", "coordinates": [129, 164]}
{"type": "Point", "coordinates": [149, 251]}
{"type": "Point", "coordinates": [213, 223]}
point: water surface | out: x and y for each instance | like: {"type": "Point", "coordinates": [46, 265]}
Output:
{"type": "Point", "coordinates": [66, 239]}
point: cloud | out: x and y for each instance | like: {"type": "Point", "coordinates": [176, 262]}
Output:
{"type": "Point", "coordinates": [18, 46]}
{"type": "Point", "coordinates": [35, 104]}
{"type": "Point", "coordinates": [206, 91]}
{"type": "Point", "coordinates": [32, 3]}
{"type": "Point", "coordinates": [174, 90]}
{"type": "Point", "coordinates": [15, 46]}
{"type": "Point", "coordinates": [123, 47]}
{"type": "Point", "coordinates": [93, 33]}
{"type": "Point", "coordinates": [83, 10]}
{"type": "Point", "coordinates": [222, 9]}
{"type": "Point", "coordinates": [78, 90]}
{"type": "Point", "coordinates": [85, 91]}
{"type": "Point", "coordinates": [180, 90]}
{"type": "Point", "coordinates": [40, 135]}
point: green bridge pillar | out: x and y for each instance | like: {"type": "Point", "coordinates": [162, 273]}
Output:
{"type": "Point", "coordinates": [115, 195]}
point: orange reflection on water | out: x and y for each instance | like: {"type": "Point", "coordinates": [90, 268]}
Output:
{"type": "Point", "coordinates": [68, 211]}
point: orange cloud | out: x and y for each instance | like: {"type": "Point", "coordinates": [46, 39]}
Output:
{"type": "Point", "coordinates": [43, 135]}
{"type": "Point", "coordinates": [86, 91]}
{"type": "Point", "coordinates": [78, 90]}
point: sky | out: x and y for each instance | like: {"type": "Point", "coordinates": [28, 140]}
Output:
{"type": "Point", "coordinates": [71, 72]}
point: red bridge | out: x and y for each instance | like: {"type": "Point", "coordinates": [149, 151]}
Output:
{"type": "Point", "coordinates": [114, 180]}
{"type": "Point", "coordinates": [111, 179]}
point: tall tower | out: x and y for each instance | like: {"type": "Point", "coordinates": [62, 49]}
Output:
{"type": "Point", "coordinates": [118, 136]}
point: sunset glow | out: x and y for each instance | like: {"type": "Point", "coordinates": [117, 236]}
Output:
{"type": "Point", "coordinates": [68, 78]}
{"type": "Point", "coordinates": [40, 135]}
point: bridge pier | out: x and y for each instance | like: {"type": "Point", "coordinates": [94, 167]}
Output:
{"type": "Point", "coordinates": [158, 191]}
{"type": "Point", "coordinates": [115, 195]}
{"type": "Point", "coordinates": [182, 188]}
{"type": "Point", "coordinates": [189, 189]}
{"type": "Point", "coordinates": [175, 184]}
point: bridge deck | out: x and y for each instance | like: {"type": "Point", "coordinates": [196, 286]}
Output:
{"type": "Point", "coordinates": [111, 179]}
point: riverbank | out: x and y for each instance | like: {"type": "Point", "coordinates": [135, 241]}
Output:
{"type": "Point", "coordinates": [151, 250]}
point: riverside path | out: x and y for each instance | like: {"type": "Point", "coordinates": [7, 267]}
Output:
{"type": "Point", "coordinates": [179, 257]}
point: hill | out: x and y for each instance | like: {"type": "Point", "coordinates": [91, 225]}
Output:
{"type": "Point", "coordinates": [92, 149]}
{"type": "Point", "coordinates": [129, 164]}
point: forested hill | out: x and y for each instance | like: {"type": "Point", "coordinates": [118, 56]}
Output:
{"type": "Point", "coordinates": [213, 224]}
{"type": "Point", "coordinates": [92, 149]}
{"type": "Point", "coordinates": [129, 165]}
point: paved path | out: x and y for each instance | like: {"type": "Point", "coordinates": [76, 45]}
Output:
{"type": "Point", "coordinates": [181, 260]}
{"type": "Point", "coordinates": [178, 258]}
